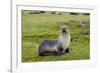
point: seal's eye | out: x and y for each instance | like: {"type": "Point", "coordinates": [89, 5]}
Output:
{"type": "Point", "coordinates": [61, 28]}
{"type": "Point", "coordinates": [65, 27]}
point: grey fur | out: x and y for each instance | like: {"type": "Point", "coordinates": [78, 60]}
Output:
{"type": "Point", "coordinates": [56, 46]}
{"type": "Point", "coordinates": [45, 44]}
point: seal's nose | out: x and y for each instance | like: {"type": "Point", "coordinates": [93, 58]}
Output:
{"type": "Point", "coordinates": [63, 30]}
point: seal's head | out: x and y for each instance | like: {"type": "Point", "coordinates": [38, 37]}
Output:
{"type": "Point", "coordinates": [64, 29]}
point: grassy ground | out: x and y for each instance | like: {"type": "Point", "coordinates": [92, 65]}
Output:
{"type": "Point", "coordinates": [37, 27]}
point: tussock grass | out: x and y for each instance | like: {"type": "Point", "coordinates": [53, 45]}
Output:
{"type": "Point", "coordinates": [36, 27]}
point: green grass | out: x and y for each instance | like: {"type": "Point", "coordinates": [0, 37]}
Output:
{"type": "Point", "coordinates": [36, 27]}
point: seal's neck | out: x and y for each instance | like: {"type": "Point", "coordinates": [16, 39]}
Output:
{"type": "Point", "coordinates": [65, 34]}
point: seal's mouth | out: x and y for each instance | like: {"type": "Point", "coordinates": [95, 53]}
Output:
{"type": "Point", "coordinates": [64, 30]}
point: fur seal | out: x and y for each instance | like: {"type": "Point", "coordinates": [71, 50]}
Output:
{"type": "Point", "coordinates": [56, 46]}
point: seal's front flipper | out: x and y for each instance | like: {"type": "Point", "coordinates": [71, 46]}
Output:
{"type": "Point", "coordinates": [67, 50]}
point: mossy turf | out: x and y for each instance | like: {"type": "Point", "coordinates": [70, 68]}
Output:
{"type": "Point", "coordinates": [36, 27]}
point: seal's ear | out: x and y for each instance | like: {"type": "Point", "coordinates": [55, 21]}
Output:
{"type": "Point", "coordinates": [61, 27]}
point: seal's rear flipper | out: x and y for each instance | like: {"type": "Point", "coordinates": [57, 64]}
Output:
{"type": "Point", "coordinates": [41, 54]}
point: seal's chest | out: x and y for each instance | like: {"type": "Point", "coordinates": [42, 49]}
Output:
{"type": "Point", "coordinates": [64, 41]}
